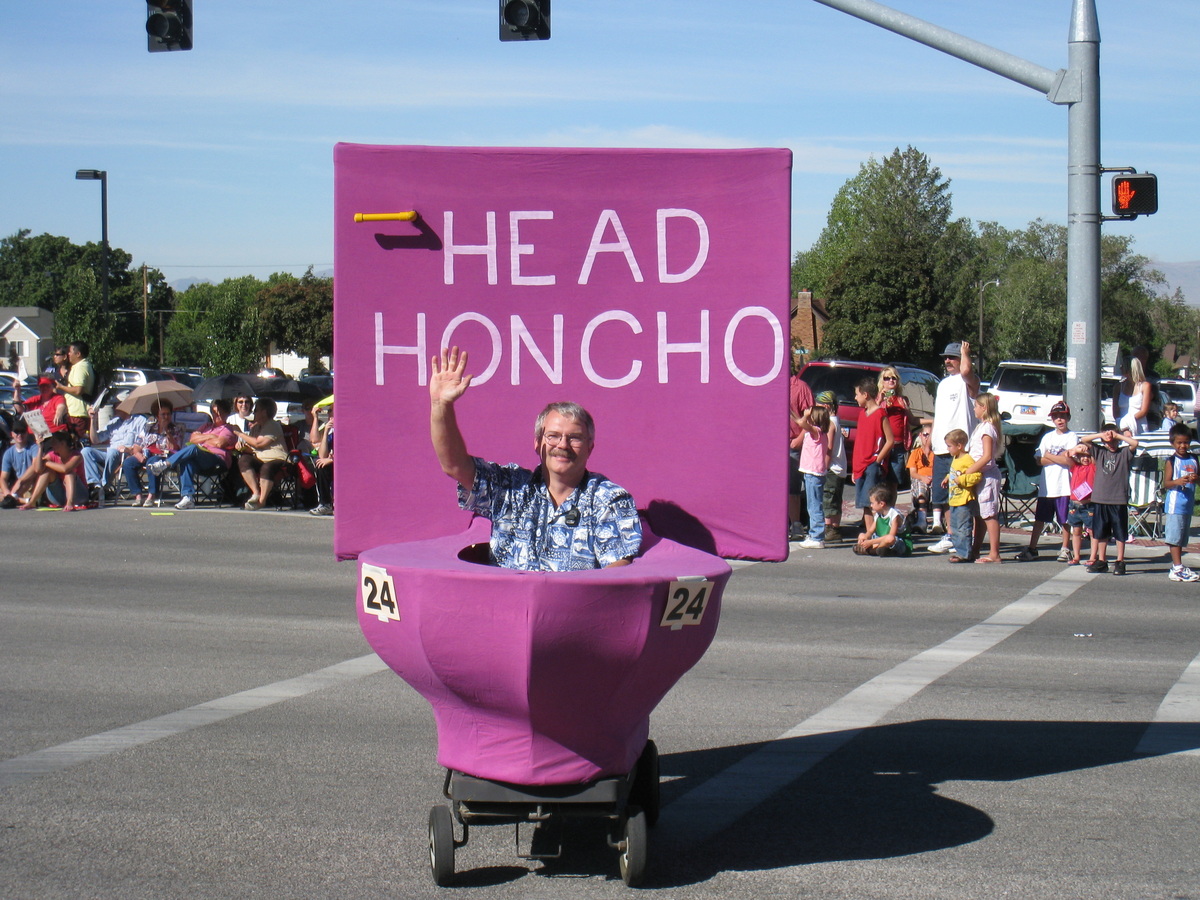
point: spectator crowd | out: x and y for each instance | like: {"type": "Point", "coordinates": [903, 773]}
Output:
{"type": "Point", "coordinates": [56, 455]}
{"type": "Point", "coordinates": [952, 461]}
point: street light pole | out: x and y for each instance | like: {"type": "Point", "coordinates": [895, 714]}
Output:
{"type": "Point", "coordinates": [101, 176]}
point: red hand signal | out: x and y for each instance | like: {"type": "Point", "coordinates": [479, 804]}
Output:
{"type": "Point", "coordinates": [1125, 194]}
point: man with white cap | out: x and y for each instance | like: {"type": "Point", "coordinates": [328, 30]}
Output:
{"type": "Point", "coordinates": [953, 407]}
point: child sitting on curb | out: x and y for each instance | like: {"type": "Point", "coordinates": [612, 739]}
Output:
{"type": "Point", "coordinates": [890, 536]}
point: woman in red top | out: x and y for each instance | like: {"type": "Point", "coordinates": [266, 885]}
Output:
{"type": "Point", "coordinates": [891, 398]}
{"type": "Point", "coordinates": [873, 444]}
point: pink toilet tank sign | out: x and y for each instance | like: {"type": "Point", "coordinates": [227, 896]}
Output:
{"type": "Point", "coordinates": [651, 286]}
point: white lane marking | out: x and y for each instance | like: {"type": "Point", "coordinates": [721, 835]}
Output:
{"type": "Point", "coordinates": [52, 759]}
{"type": "Point", "coordinates": [1176, 725]}
{"type": "Point", "coordinates": [720, 801]}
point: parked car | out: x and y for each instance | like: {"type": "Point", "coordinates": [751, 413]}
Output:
{"type": "Point", "coordinates": [11, 379]}
{"type": "Point", "coordinates": [841, 376]}
{"type": "Point", "coordinates": [133, 377]}
{"type": "Point", "coordinates": [9, 393]}
{"type": "Point", "coordinates": [1026, 389]}
{"type": "Point", "coordinates": [185, 376]}
{"type": "Point", "coordinates": [1181, 393]}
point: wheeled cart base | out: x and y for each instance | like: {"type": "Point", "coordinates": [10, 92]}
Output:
{"type": "Point", "coordinates": [629, 802]}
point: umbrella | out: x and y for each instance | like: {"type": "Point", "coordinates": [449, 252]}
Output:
{"type": "Point", "coordinates": [289, 390]}
{"type": "Point", "coordinates": [141, 398]}
{"type": "Point", "coordinates": [228, 386]}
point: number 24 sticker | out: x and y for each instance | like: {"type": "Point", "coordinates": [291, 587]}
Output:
{"type": "Point", "coordinates": [686, 602]}
{"type": "Point", "coordinates": [379, 593]}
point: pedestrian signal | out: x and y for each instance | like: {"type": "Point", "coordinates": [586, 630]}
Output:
{"type": "Point", "coordinates": [1134, 195]}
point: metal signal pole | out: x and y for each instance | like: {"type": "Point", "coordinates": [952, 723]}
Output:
{"type": "Point", "coordinates": [1078, 88]}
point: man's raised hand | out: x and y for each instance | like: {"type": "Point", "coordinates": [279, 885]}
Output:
{"type": "Point", "coordinates": [448, 380]}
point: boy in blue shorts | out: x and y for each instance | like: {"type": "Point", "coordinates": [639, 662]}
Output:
{"type": "Point", "coordinates": [1179, 500]}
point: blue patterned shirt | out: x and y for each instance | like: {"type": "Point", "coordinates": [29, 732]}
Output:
{"type": "Point", "coordinates": [596, 526]}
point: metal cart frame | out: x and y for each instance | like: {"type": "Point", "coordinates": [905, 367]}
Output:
{"type": "Point", "coordinates": [629, 802]}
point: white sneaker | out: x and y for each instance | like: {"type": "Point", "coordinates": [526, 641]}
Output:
{"type": "Point", "coordinates": [811, 544]}
{"type": "Point", "coordinates": [945, 545]}
{"type": "Point", "coordinates": [1182, 573]}
{"type": "Point", "coordinates": [186, 503]}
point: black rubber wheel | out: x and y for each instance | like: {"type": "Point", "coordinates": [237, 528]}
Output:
{"type": "Point", "coordinates": [645, 791]}
{"type": "Point", "coordinates": [633, 857]}
{"type": "Point", "coordinates": [441, 845]}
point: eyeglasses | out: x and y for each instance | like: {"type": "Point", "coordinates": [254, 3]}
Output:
{"type": "Point", "coordinates": [243, 402]}
{"type": "Point", "coordinates": [554, 439]}
{"type": "Point", "coordinates": [890, 378]}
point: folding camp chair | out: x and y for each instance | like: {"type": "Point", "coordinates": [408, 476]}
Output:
{"type": "Point", "coordinates": [1145, 502]}
{"type": "Point", "coordinates": [1022, 470]}
{"type": "Point", "coordinates": [288, 489]}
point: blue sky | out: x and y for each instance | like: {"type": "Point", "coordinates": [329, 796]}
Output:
{"type": "Point", "coordinates": [220, 159]}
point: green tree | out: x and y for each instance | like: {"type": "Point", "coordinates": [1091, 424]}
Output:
{"type": "Point", "coordinates": [1026, 315]}
{"type": "Point", "coordinates": [297, 315]}
{"type": "Point", "coordinates": [33, 269]}
{"type": "Point", "coordinates": [217, 327]}
{"type": "Point", "coordinates": [38, 271]}
{"type": "Point", "coordinates": [79, 318]}
{"type": "Point", "coordinates": [893, 267]}
{"type": "Point", "coordinates": [1177, 323]}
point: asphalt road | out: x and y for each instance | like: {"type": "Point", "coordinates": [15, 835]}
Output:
{"type": "Point", "coordinates": [189, 710]}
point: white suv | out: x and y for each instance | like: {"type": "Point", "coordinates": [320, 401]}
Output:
{"type": "Point", "coordinates": [1026, 390]}
{"type": "Point", "coordinates": [1181, 393]}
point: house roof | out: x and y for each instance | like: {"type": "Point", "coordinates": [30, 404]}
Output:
{"type": "Point", "coordinates": [37, 320]}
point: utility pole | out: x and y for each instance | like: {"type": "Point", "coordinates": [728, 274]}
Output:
{"type": "Point", "coordinates": [145, 312]}
{"type": "Point", "coordinates": [1078, 88]}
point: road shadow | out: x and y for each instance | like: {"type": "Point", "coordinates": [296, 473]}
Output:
{"type": "Point", "coordinates": [875, 797]}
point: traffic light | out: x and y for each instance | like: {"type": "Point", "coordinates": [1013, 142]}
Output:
{"type": "Point", "coordinates": [524, 20]}
{"type": "Point", "coordinates": [1134, 195]}
{"type": "Point", "coordinates": [168, 25]}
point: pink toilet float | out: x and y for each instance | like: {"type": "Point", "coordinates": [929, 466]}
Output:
{"type": "Point", "coordinates": [542, 684]}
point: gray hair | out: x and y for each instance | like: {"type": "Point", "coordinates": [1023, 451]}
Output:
{"type": "Point", "coordinates": [572, 411]}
